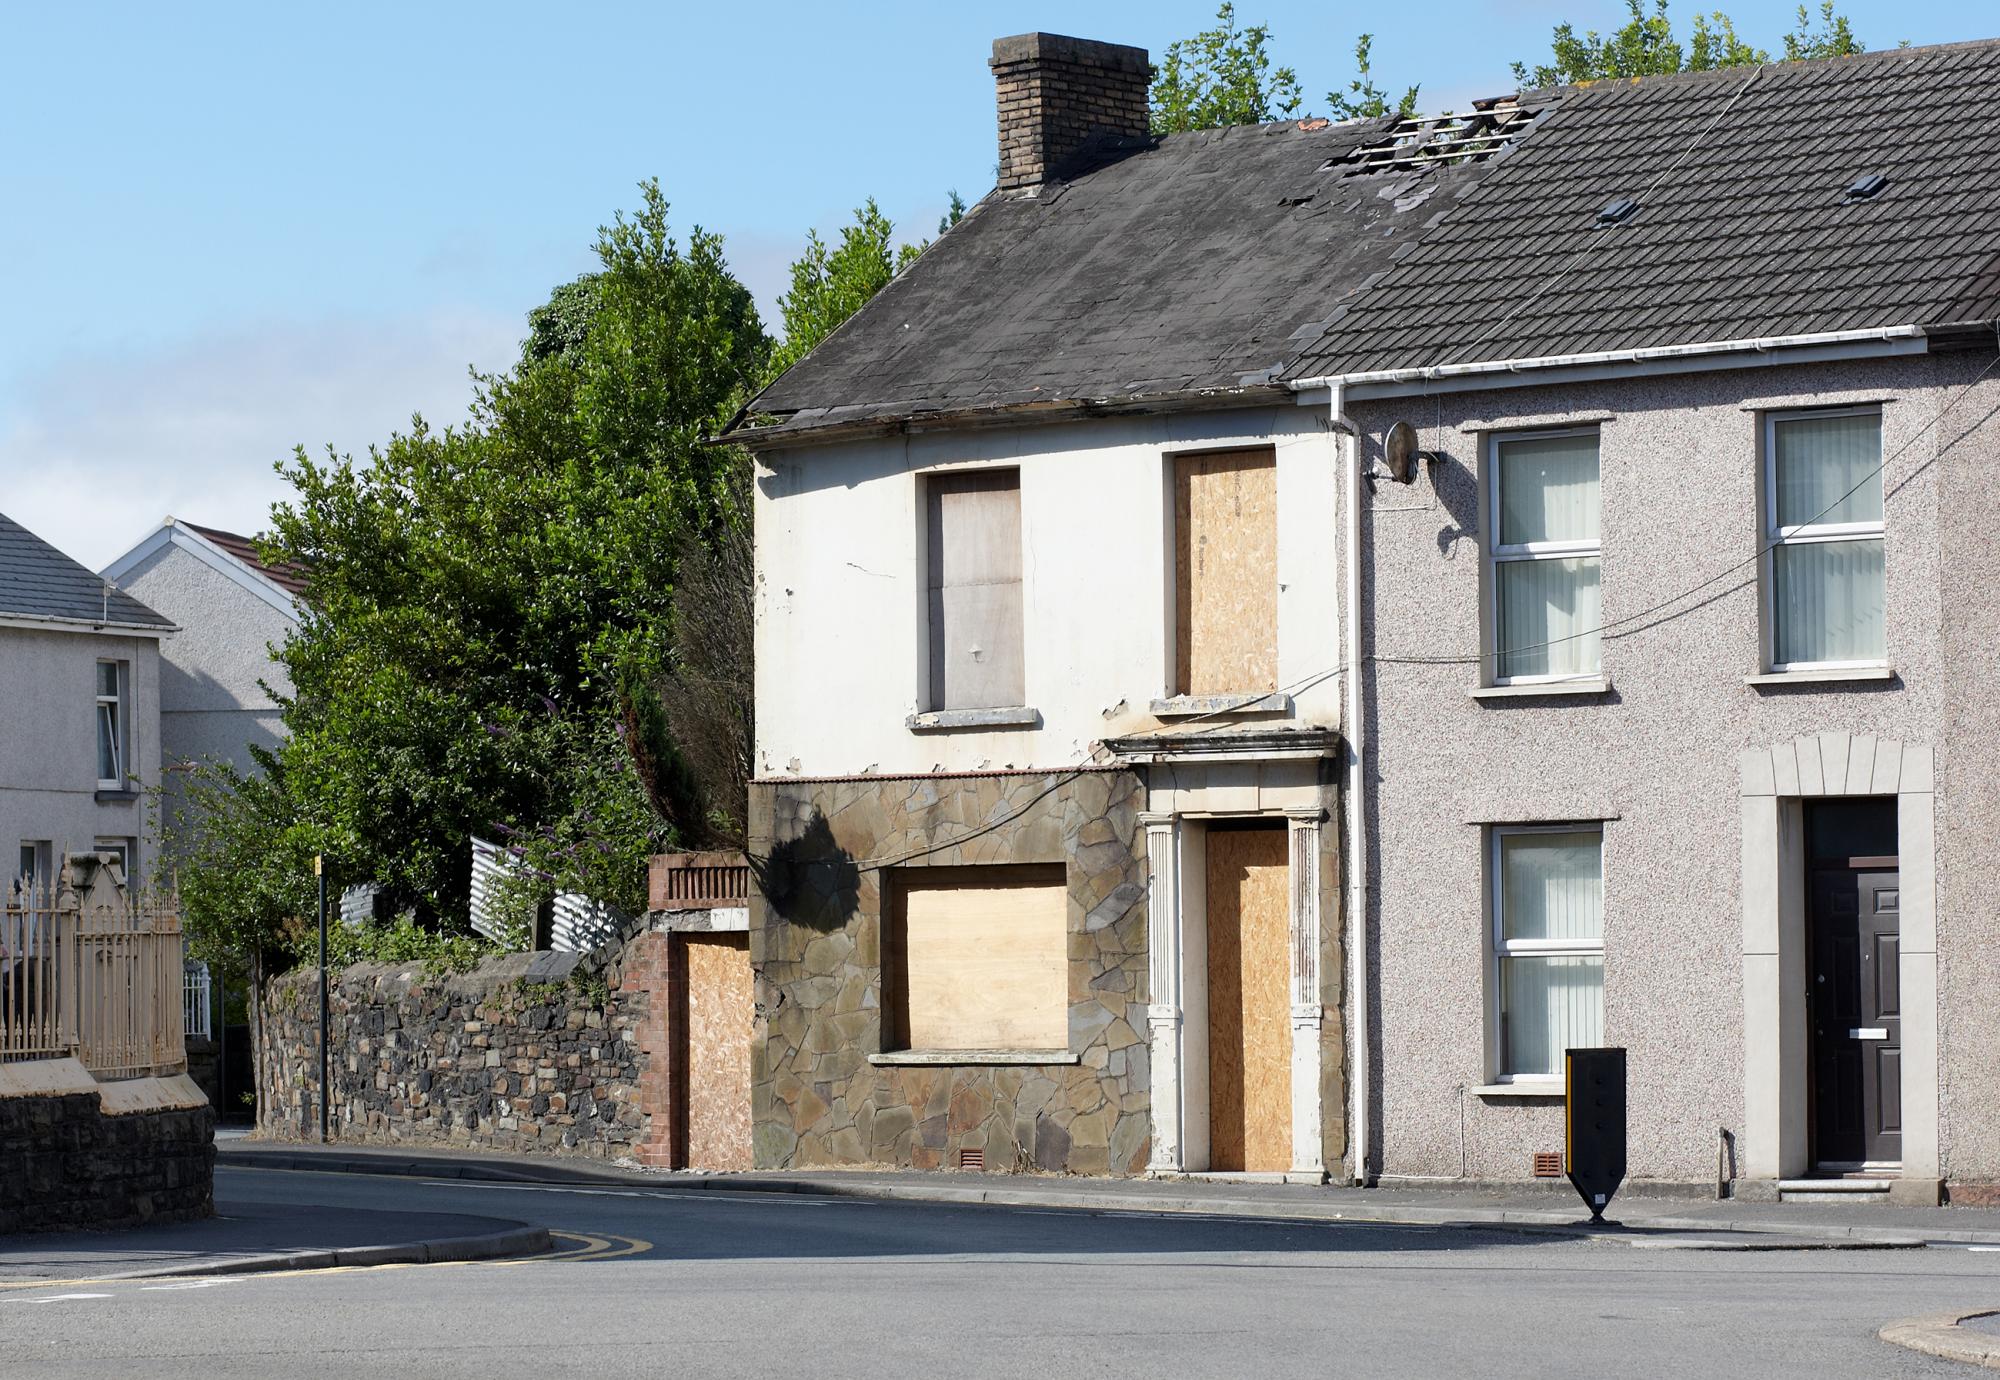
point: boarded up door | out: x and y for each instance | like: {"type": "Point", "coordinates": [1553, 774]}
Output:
{"type": "Point", "coordinates": [1249, 1004]}
{"type": "Point", "coordinates": [1226, 572]}
{"type": "Point", "coordinates": [715, 1110]}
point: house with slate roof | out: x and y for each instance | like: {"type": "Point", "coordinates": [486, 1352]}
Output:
{"type": "Point", "coordinates": [80, 740]}
{"type": "Point", "coordinates": [1269, 636]}
{"type": "Point", "coordinates": [233, 608]}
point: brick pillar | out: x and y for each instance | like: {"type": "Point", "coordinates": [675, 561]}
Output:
{"type": "Point", "coordinates": [650, 968]}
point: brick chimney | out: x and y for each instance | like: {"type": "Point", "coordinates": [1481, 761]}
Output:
{"type": "Point", "coordinates": [1060, 98]}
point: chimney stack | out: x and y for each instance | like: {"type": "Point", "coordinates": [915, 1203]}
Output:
{"type": "Point", "coordinates": [1060, 98]}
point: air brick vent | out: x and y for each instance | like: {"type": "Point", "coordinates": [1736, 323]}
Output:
{"type": "Point", "coordinates": [1548, 1164]}
{"type": "Point", "coordinates": [972, 1159]}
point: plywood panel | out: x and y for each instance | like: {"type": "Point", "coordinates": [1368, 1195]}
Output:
{"type": "Point", "coordinates": [720, 1012]}
{"type": "Point", "coordinates": [984, 966]}
{"type": "Point", "coordinates": [1226, 572]}
{"type": "Point", "coordinates": [973, 539]}
{"type": "Point", "coordinates": [1249, 1005]}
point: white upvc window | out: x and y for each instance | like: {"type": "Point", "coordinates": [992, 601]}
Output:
{"type": "Point", "coordinates": [1823, 533]}
{"type": "Point", "coordinates": [1544, 616]}
{"type": "Point", "coordinates": [111, 720]}
{"type": "Point", "coordinates": [1547, 902]}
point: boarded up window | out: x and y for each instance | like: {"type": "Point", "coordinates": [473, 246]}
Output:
{"type": "Point", "coordinates": [973, 525]}
{"type": "Point", "coordinates": [1226, 572]}
{"type": "Point", "coordinates": [978, 958]}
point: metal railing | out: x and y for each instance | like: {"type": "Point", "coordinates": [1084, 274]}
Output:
{"type": "Point", "coordinates": [196, 999]}
{"type": "Point", "coordinates": [87, 969]}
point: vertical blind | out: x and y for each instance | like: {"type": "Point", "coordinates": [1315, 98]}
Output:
{"type": "Point", "coordinates": [1547, 610]}
{"type": "Point", "coordinates": [1827, 597]}
{"type": "Point", "coordinates": [1551, 905]}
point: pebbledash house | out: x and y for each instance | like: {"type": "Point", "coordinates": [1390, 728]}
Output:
{"type": "Point", "coordinates": [1267, 636]}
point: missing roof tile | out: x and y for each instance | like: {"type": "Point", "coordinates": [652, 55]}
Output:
{"type": "Point", "coordinates": [1420, 142]}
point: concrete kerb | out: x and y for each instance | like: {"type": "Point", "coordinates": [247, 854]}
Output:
{"type": "Point", "coordinates": [1705, 1233]}
{"type": "Point", "coordinates": [1944, 1335]}
{"type": "Point", "coordinates": [499, 1245]}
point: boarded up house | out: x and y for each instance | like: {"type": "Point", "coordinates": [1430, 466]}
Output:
{"type": "Point", "coordinates": [1188, 604]}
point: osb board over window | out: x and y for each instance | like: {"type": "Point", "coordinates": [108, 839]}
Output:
{"type": "Point", "coordinates": [979, 958]}
{"type": "Point", "coordinates": [1249, 1008]}
{"type": "Point", "coordinates": [720, 1015]}
{"type": "Point", "coordinates": [1226, 572]}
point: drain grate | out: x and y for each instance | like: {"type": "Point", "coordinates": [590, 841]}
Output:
{"type": "Point", "coordinates": [1548, 1164]}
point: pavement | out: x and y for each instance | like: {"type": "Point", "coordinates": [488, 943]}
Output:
{"type": "Point", "coordinates": [249, 1235]}
{"type": "Point", "coordinates": [669, 1275]}
{"type": "Point", "coordinates": [1638, 1219]}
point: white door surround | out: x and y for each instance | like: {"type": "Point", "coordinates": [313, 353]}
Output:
{"type": "Point", "coordinates": [1776, 783]}
{"type": "Point", "coordinates": [1176, 840]}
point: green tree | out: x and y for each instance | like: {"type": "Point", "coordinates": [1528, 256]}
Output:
{"type": "Point", "coordinates": [1363, 100]}
{"type": "Point", "coordinates": [1646, 45]}
{"type": "Point", "coordinates": [1222, 76]}
{"type": "Point", "coordinates": [480, 597]}
{"type": "Point", "coordinates": [832, 282]}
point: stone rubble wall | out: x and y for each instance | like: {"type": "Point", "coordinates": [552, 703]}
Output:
{"type": "Point", "coordinates": [67, 1163]}
{"type": "Point", "coordinates": [551, 1053]}
{"type": "Point", "coordinates": [818, 1101]}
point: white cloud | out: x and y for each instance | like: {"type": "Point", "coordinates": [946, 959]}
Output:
{"type": "Point", "coordinates": [96, 449]}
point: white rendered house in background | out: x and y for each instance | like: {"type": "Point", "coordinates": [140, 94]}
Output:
{"type": "Point", "coordinates": [234, 609]}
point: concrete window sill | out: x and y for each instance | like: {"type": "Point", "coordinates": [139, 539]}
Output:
{"type": "Point", "coordinates": [1200, 706]}
{"type": "Point", "coordinates": [1549, 1090]}
{"type": "Point", "coordinates": [1826, 675]}
{"type": "Point", "coordinates": [110, 795]}
{"type": "Point", "coordinates": [945, 720]}
{"type": "Point", "coordinates": [1593, 685]}
{"type": "Point", "coordinates": [933, 1057]}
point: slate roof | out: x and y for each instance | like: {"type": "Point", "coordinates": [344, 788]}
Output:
{"type": "Point", "coordinates": [1742, 232]}
{"type": "Point", "coordinates": [38, 581]}
{"type": "Point", "coordinates": [289, 578]}
{"type": "Point", "coordinates": [1221, 263]}
{"type": "Point", "coordinates": [1182, 267]}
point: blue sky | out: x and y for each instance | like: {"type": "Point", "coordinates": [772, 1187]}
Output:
{"type": "Point", "coordinates": [233, 229]}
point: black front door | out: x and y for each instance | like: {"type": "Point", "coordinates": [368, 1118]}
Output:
{"type": "Point", "coordinates": [1857, 1044]}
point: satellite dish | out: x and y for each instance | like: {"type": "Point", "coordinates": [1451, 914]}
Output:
{"type": "Point", "coordinates": [1399, 451]}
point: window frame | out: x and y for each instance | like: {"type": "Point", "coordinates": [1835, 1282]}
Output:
{"type": "Point", "coordinates": [120, 721]}
{"type": "Point", "coordinates": [931, 698]}
{"type": "Point", "coordinates": [894, 956]}
{"type": "Point", "coordinates": [126, 849]}
{"type": "Point", "coordinates": [1774, 536]}
{"type": "Point", "coordinates": [1499, 948]}
{"type": "Point", "coordinates": [40, 854]}
{"type": "Point", "coordinates": [1493, 553]}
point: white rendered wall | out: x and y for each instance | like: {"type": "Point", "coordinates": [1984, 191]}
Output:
{"type": "Point", "coordinates": [841, 596]}
{"type": "Point", "coordinates": [211, 703]}
{"type": "Point", "coordinates": [48, 740]}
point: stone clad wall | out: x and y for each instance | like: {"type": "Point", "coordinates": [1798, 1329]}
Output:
{"type": "Point", "coordinates": [528, 1052]}
{"type": "Point", "coordinates": [815, 942]}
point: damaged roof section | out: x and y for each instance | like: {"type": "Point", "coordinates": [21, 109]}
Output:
{"type": "Point", "coordinates": [1193, 267]}
{"type": "Point", "coordinates": [1706, 208]}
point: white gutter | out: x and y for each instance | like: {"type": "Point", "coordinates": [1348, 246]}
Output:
{"type": "Point", "coordinates": [1881, 340]}
{"type": "Point", "coordinates": [1347, 456]}
{"type": "Point", "coordinates": [47, 622]}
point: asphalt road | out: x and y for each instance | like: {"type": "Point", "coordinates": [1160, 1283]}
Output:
{"type": "Point", "coordinates": [679, 1283]}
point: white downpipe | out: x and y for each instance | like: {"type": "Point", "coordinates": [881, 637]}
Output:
{"type": "Point", "coordinates": [1347, 454]}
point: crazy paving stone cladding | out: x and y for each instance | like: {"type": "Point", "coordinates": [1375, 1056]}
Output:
{"type": "Point", "coordinates": [816, 942]}
{"type": "Point", "coordinates": [515, 1055]}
